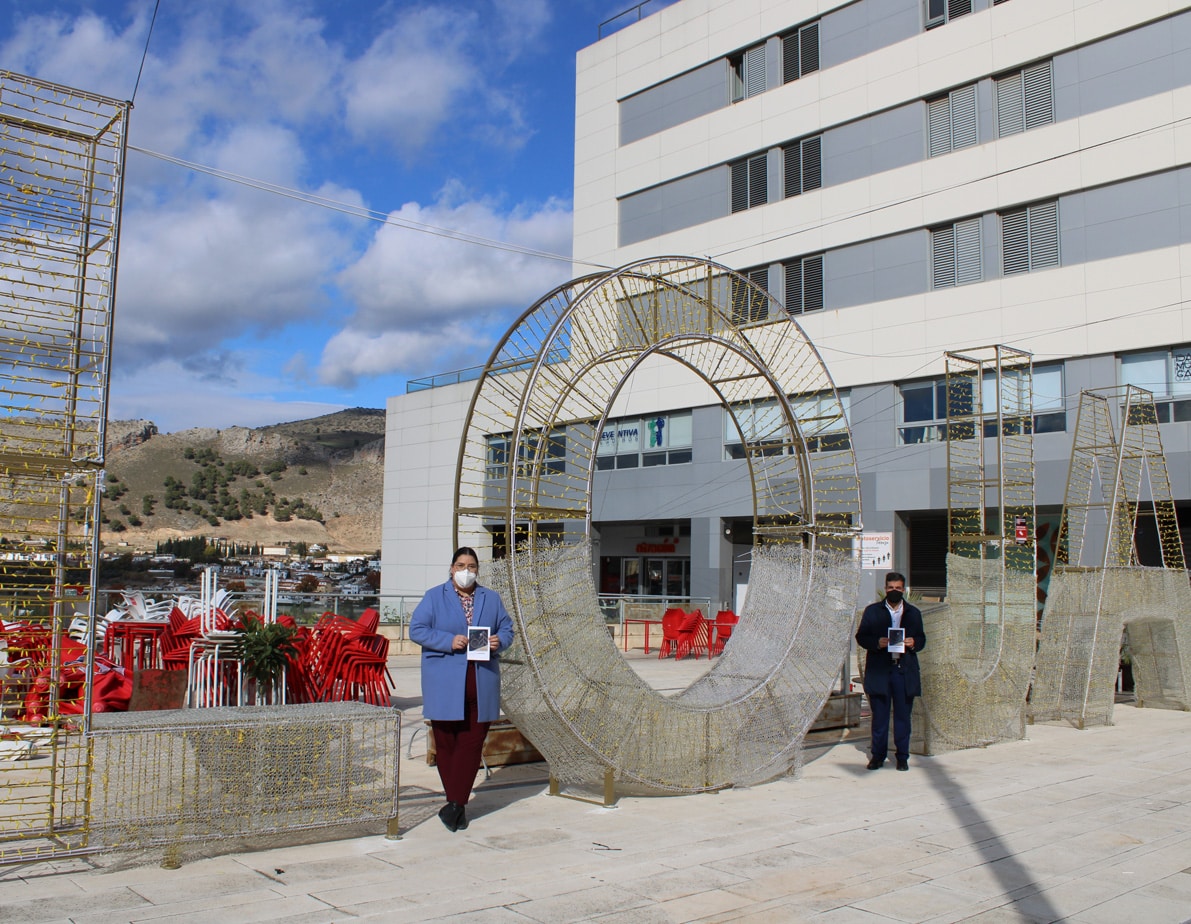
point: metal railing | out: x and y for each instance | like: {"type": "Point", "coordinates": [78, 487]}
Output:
{"type": "Point", "coordinates": [624, 16]}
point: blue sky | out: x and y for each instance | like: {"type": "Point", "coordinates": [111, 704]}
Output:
{"type": "Point", "coordinates": [239, 306]}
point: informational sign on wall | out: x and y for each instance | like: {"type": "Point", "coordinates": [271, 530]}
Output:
{"type": "Point", "coordinates": [876, 551]}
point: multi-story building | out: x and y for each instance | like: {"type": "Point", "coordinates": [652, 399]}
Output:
{"type": "Point", "coordinates": [908, 177]}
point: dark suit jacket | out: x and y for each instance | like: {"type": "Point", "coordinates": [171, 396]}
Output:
{"type": "Point", "coordinates": [874, 626]}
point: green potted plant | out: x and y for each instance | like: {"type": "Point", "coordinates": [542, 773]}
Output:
{"type": "Point", "coordinates": [266, 650]}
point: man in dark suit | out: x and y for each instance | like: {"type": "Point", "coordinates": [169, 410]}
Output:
{"type": "Point", "coordinates": [891, 680]}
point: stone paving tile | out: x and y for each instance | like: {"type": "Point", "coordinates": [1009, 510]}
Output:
{"type": "Point", "coordinates": [580, 906]}
{"type": "Point", "coordinates": [40, 910]}
{"type": "Point", "coordinates": [704, 904]}
{"type": "Point", "coordinates": [223, 908]}
{"type": "Point", "coordinates": [922, 901]}
{"type": "Point", "coordinates": [1136, 906]}
{"type": "Point", "coordinates": [674, 884]}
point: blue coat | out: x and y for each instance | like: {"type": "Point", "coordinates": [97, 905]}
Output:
{"type": "Point", "coordinates": [434, 625]}
{"type": "Point", "coordinates": [874, 626]}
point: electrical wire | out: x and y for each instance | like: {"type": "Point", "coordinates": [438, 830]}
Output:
{"type": "Point", "coordinates": [359, 211]}
{"type": "Point", "coordinates": [145, 53]}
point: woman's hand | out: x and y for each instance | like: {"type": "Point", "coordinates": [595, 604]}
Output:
{"type": "Point", "coordinates": [459, 643]}
{"type": "Point", "coordinates": [493, 642]}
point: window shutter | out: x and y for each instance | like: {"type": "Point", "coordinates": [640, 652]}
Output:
{"type": "Point", "coordinates": [958, 8]}
{"type": "Point", "coordinates": [1039, 95]}
{"type": "Point", "coordinates": [812, 283]}
{"type": "Point", "coordinates": [963, 117]}
{"type": "Point", "coordinates": [1044, 235]}
{"type": "Point", "coordinates": [791, 70]}
{"type": "Point", "coordinates": [792, 169]}
{"type": "Point", "coordinates": [1015, 242]}
{"type": "Point", "coordinates": [740, 186]}
{"type": "Point", "coordinates": [938, 118]}
{"type": "Point", "coordinates": [757, 181]}
{"type": "Point", "coordinates": [793, 286]}
{"type": "Point", "coordinates": [754, 71]}
{"type": "Point", "coordinates": [1010, 107]}
{"type": "Point", "coordinates": [739, 299]}
{"type": "Point", "coordinates": [942, 257]}
{"type": "Point", "coordinates": [758, 300]}
{"type": "Point", "coordinates": [967, 251]}
{"type": "Point", "coordinates": [812, 163]}
{"type": "Point", "coordinates": [808, 38]}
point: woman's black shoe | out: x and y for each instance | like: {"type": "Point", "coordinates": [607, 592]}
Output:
{"type": "Point", "coordinates": [449, 815]}
{"type": "Point", "coordinates": [461, 822]}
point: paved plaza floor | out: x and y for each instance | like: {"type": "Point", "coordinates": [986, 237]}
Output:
{"type": "Point", "coordinates": [1088, 826]}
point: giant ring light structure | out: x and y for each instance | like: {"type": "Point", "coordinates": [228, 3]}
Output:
{"type": "Point", "coordinates": [525, 479]}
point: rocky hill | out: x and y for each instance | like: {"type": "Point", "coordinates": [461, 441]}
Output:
{"type": "Point", "coordinates": [314, 481]}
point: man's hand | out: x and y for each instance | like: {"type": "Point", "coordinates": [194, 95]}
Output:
{"type": "Point", "coordinates": [909, 642]}
{"type": "Point", "coordinates": [883, 642]}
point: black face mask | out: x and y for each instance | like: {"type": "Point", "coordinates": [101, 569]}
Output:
{"type": "Point", "coordinates": [893, 596]}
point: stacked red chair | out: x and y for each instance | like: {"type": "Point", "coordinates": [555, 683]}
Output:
{"type": "Point", "coordinates": [671, 619]}
{"type": "Point", "coordinates": [692, 635]}
{"type": "Point", "coordinates": [725, 621]}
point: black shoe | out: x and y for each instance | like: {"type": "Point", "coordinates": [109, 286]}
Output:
{"type": "Point", "coordinates": [903, 764]}
{"type": "Point", "coordinates": [449, 815]}
{"type": "Point", "coordinates": [461, 824]}
{"type": "Point", "coordinates": [875, 764]}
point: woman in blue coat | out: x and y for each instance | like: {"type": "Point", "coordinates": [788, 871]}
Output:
{"type": "Point", "coordinates": [460, 697]}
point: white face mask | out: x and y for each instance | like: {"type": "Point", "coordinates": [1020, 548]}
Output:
{"type": "Point", "coordinates": [464, 579]}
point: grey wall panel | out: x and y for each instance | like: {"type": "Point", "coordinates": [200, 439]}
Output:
{"type": "Point", "coordinates": [1129, 66]}
{"type": "Point", "coordinates": [672, 206]}
{"type": "Point", "coordinates": [873, 270]}
{"type": "Point", "coordinates": [881, 142]}
{"type": "Point", "coordinates": [860, 28]}
{"type": "Point", "coordinates": [678, 100]}
{"type": "Point", "coordinates": [901, 265]}
{"type": "Point", "coordinates": [1132, 217]}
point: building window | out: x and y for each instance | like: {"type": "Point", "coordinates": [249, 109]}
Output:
{"type": "Point", "coordinates": [802, 166]}
{"type": "Point", "coordinates": [822, 419]}
{"type": "Point", "coordinates": [951, 121]}
{"type": "Point", "coordinates": [1025, 99]}
{"type": "Point", "coordinates": [800, 52]}
{"type": "Point", "coordinates": [750, 302]}
{"type": "Point", "coordinates": [804, 284]}
{"type": "Point", "coordinates": [747, 73]}
{"type": "Point", "coordinates": [1166, 373]}
{"type": "Point", "coordinates": [1030, 238]}
{"type": "Point", "coordinates": [955, 254]}
{"type": "Point", "coordinates": [662, 439]}
{"type": "Point", "coordinates": [924, 406]}
{"type": "Point", "coordinates": [550, 450]}
{"type": "Point", "coordinates": [941, 11]}
{"type": "Point", "coordinates": [750, 182]}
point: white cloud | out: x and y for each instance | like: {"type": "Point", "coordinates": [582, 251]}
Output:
{"type": "Point", "coordinates": [272, 91]}
{"type": "Point", "coordinates": [176, 398]}
{"type": "Point", "coordinates": [420, 297]}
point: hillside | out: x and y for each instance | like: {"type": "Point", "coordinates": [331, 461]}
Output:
{"type": "Point", "coordinates": [313, 481]}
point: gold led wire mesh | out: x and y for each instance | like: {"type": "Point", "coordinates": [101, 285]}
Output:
{"type": "Point", "coordinates": [1098, 586]}
{"type": "Point", "coordinates": [184, 777]}
{"type": "Point", "coordinates": [61, 167]}
{"type": "Point", "coordinates": [979, 655]}
{"type": "Point", "coordinates": [526, 467]}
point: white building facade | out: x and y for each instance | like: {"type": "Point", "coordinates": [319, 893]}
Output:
{"type": "Point", "coordinates": [907, 177]}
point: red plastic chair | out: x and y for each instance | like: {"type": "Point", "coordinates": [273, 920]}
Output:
{"type": "Point", "coordinates": [725, 620]}
{"type": "Point", "coordinates": [369, 620]}
{"type": "Point", "coordinates": [671, 620]}
{"type": "Point", "coordinates": [692, 635]}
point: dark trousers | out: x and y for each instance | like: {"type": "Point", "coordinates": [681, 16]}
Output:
{"type": "Point", "coordinates": [901, 705]}
{"type": "Point", "coordinates": [459, 746]}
